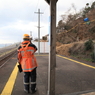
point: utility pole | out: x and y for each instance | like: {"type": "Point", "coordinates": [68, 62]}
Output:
{"type": "Point", "coordinates": [31, 35]}
{"type": "Point", "coordinates": [39, 29]}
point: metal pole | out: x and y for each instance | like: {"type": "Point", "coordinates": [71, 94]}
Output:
{"type": "Point", "coordinates": [38, 31]}
{"type": "Point", "coordinates": [52, 53]}
{"type": "Point", "coordinates": [31, 36]}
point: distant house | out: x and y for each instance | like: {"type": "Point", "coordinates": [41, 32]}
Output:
{"type": "Point", "coordinates": [46, 38]}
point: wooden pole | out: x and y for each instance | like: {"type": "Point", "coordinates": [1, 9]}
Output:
{"type": "Point", "coordinates": [52, 53]}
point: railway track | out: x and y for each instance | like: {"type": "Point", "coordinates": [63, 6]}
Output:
{"type": "Point", "coordinates": [4, 57]}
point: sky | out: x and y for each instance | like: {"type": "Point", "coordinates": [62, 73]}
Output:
{"type": "Point", "coordinates": [18, 17]}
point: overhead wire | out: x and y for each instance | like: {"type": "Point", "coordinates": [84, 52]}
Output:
{"type": "Point", "coordinates": [43, 10]}
{"type": "Point", "coordinates": [33, 13]}
{"type": "Point", "coordinates": [37, 4]}
{"type": "Point", "coordinates": [35, 8]}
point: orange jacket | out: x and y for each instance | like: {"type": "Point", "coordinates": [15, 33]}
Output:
{"type": "Point", "coordinates": [26, 56]}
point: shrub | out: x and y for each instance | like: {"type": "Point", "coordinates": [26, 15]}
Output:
{"type": "Point", "coordinates": [89, 45]}
{"type": "Point", "coordinates": [92, 30]}
{"type": "Point", "coordinates": [92, 57]}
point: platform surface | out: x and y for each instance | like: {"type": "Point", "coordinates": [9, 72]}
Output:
{"type": "Point", "coordinates": [72, 77]}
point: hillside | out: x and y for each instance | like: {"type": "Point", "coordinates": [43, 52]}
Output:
{"type": "Point", "coordinates": [82, 31]}
{"type": "Point", "coordinates": [76, 49]}
{"type": "Point", "coordinates": [71, 41]}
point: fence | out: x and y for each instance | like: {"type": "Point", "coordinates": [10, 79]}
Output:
{"type": "Point", "coordinates": [44, 47]}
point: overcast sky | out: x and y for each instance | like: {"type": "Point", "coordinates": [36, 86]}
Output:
{"type": "Point", "coordinates": [18, 17]}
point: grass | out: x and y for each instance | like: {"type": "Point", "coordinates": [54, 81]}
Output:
{"type": "Point", "coordinates": [85, 59]}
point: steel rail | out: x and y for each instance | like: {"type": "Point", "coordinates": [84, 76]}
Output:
{"type": "Point", "coordinates": [4, 59]}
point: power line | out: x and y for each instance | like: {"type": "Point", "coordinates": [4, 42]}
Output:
{"type": "Point", "coordinates": [36, 7]}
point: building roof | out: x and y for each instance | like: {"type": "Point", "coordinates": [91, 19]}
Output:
{"type": "Point", "coordinates": [46, 35]}
{"type": "Point", "coordinates": [48, 1]}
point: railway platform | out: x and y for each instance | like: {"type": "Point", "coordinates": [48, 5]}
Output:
{"type": "Point", "coordinates": [11, 81]}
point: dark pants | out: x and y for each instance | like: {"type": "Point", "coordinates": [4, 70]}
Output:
{"type": "Point", "coordinates": [30, 79]}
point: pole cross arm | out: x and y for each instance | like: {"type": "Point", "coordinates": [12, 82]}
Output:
{"type": "Point", "coordinates": [48, 1]}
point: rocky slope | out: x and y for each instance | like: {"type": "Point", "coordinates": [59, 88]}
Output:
{"type": "Point", "coordinates": [71, 42]}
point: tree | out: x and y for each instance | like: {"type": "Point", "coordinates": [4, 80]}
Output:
{"type": "Point", "coordinates": [86, 10]}
{"type": "Point", "coordinates": [93, 5]}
